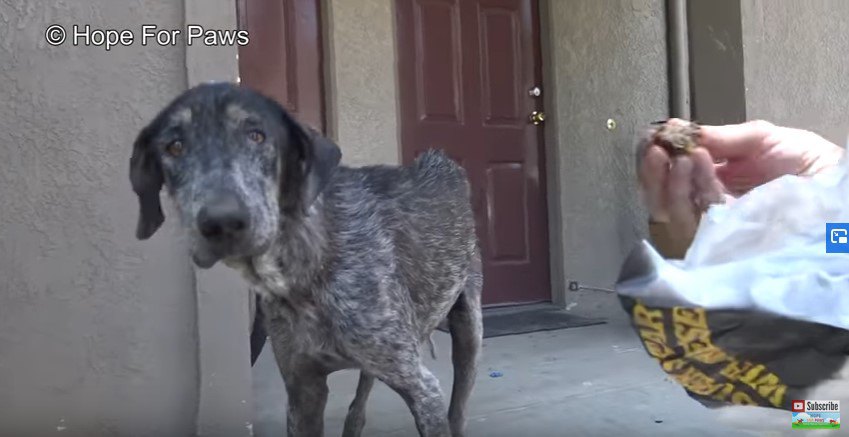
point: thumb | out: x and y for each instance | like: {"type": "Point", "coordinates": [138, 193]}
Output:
{"type": "Point", "coordinates": [734, 141]}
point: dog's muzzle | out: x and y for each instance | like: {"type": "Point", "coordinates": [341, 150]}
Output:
{"type": "Point", "coordinates": [223, 223]}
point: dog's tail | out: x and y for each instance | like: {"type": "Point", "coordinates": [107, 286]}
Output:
{"type": "Point", "coordinates": [436, 165]}
{"type": "Point", "coordinates": [438, 174]}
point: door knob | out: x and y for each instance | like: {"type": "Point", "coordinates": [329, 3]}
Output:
{"type": "Point", "coordinates": [537, 117]}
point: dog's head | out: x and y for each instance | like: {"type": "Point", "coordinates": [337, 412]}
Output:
{"type": "Point", "coordinates": [235, 163]}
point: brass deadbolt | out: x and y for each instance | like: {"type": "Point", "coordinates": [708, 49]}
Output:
{"type": "Point", "coordinates": [537, 117]}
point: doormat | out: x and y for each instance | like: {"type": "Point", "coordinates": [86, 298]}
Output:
{"type": "Point", "coordinates": [498, 322]}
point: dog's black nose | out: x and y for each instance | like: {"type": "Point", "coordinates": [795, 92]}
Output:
{"type": "Point", "coordinates": [224, 217]}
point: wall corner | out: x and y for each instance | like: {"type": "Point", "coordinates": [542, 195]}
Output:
{"type": "Point", "coordinates": [223, 320]}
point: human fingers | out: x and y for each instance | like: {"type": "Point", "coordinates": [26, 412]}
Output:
{"type": "Point", "coordinates": [707, 188]}
{"type": "Point", "coordinates": [679, 195]}
{"type": "Point", "coordinates": [654, 173]}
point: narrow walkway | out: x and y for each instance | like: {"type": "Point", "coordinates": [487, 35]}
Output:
{"type": "Point", "coordinates": [591, 381]}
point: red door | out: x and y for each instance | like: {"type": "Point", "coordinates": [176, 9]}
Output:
{"type": "Point", "coordinates": [284, 58]}
{"type": "Point", "coordinates": [467, 71]}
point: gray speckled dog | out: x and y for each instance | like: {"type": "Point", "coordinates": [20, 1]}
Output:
{"type": "Point", "coordinates": [355, 267]}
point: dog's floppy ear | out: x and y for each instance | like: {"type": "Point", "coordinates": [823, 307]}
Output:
{"type": "Point", "coordinates": [325, 157]}
{"type": "Point", "coordinates": [146, 179]}
{"type": "Point", "coordinates": [308, 165]}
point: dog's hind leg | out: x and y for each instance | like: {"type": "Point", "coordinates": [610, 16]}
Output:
{"type": "Point", "coordinates": [356, 418]}
{"type": "Point", "coordinates": [466, 327]}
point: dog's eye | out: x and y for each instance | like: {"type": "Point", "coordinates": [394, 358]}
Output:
{"type": "Point", "coordinates": [174, 148]}
{"type": "Point", "coordinates": [256, 136]}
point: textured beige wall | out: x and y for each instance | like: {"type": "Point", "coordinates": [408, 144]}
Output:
{"type": "Point", "coordinates": [101, 334]}
{"type": "Point", "coordinates": [796, 63]}
{"type": "Point", "coordinates": [606, 59]}
{"type": "Point", "coordinates": [362, 80]}
{"type": "Point", "coordinates": [97, 331]}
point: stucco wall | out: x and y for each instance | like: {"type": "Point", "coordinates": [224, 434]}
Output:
{"type": "Point", "coordinates": [98, 331]}
{"type": "Point", "coordinates": [796, 64]}
{"type": "Point", "coordinates": [607, 59]}
{"type": "Point", "coordinates": [223, 319]}
{"type": "Point", "coordinates": [360, 55]}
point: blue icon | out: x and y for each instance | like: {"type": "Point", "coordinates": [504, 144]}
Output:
{"type": "Point", "coordinates": [837, 238]}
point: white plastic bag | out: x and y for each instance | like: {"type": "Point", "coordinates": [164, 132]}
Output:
{"type": "Point", "coordinates": [757, 313]}
{"type": "Point", "coordinates": [764, 251]}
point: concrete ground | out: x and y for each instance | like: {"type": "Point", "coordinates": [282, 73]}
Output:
{"type": "Point", "coordinates": [590, 381]}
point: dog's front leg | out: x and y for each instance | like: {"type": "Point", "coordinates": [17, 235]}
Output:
{"type": "Point", "coordinates": [420, 390]}
{"type": "Point", "coordinates": [307, 392]}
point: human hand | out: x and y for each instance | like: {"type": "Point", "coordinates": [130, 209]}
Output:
{"type": "Point", "coordinates": [730, 159]}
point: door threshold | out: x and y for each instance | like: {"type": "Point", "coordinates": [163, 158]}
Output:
{"type": "Point", "coordinates": [497, 306]}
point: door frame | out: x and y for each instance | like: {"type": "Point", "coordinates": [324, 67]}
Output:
{"type": "Point", "coordinates": [324, 85]}
{"type": "Point", "coordinates": [548, 162]}
{"type": "Point", "coordinates": [550, 157]}
{"type": "Point", "coordinates": [544, 138]}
